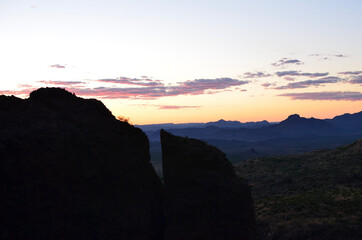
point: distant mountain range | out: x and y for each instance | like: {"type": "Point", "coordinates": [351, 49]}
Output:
{"type": "Point", "coordinates": [293, 126]}
{"type": "Point", "coordinates": [221, 124]}
{"type": "Point", "coordinates": [241, 141]}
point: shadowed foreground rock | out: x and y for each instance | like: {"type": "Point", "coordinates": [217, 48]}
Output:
{"type": "Point", "coordinates": [203, 197]}
{"type": "Point", "coordinates": [70, 170]}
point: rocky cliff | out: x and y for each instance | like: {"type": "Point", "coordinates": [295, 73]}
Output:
{"type": "Point", "coordinates": [203, 197]}
{"type": "Point", "coordinates": [70, 170]}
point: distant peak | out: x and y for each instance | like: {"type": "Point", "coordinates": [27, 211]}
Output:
{"type": "Point", "coordinates": [293, 117]}
{"type": "Point", "coordinates": [221, 120]}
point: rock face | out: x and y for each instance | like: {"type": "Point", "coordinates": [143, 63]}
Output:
{"type": "Point", "coordinates": [203, 197]}
{"type": "Point", "coordinates": [70, 170]}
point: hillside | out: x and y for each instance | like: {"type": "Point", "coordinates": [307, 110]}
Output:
{"type": "Point", "coordinates": [316, 195]}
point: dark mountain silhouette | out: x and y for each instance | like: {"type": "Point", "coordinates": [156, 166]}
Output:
{"type": "Point", "coordinates": [348, 122]}
{"type": "Point", "coordinates": [292, 136]}
{"type": "Point", "coordinates": [315, 195]}
{"type": "Point", "coordinates": [236, 124]}
{"type": "Point", "coordinates": [221, 124]}
{"type": "Point", "coordinates": [225, 124]}
{"type": "Point", "coordinates": [295, 121]}
{"type": "Point", "coordinates": [158, 127]}
{"type": "Point", "coordinates": [70, 170]}
{"type": "Point", "coordinates": [293, 126]}
{"type": "Point", "coordinates": [204, 199]}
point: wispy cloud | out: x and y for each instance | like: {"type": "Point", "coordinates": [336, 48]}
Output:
{"type": "Point", "coordinates": [255, 75]}
{"type": "Point", "coordinates": [60, 83]}
{"type": "Point", "coordinates": [356, 80]}
{"type": "Point", "coordinates": [298, 73]}
{"type": "Point", "coordinates": [144, 81]}
{"type": "Point", "coordinates": [152, 91]}
{"type": "Point", "coordinates": [57, 66]}
{"type": "Point", "coordinates": [175, 107]}
{"type": "Point", "coordinates": [328, 56]}
{"type": "Point", "coordinates": [121, 93]}
{"type": "Point", "coordinates": [268, 84]}
{"type": "Point", "coordinates": [199, 86]}
{"type": "Point", "coordinates": [332, 96]}
{"type": "Point", "coordinates": [308, 83]}
{"type": "Point", "coordinates": [140, 88]}
{"type": "Point", "coordinates": [285, 61]}
{"type": "Point", "coordinates": [340, 55]}
{"type": "Point", "coordinates": [289, 78]}
{"type": "Point", "coordinates": [351, 73]}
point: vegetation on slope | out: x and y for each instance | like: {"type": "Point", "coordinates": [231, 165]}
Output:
{"type": "Point", "coordinates": [317, 195]}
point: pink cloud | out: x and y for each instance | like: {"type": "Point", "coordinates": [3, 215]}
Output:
{"type": "Point", "coordinates": [351, 73]}
{"type": "Point", "coordinates": [256, 75]}
{"type": "Point", "coordinates": [144, 81]}
{"type": "Point", "coordinates": [308, 83]}
{"type": "Point", "coordinates": [356, 80]}
{"type": "Point", "coordinates": [336, 96]}
{"type": "Point", "coordinates": [289, 78]}
{"type": "Point", "coordinates": [303, 74]}
{"type": "Point", "coordinates": [152, 91]}
{"type": "Point", "coordinates": [267, 84]}
{"type": "Point", "coordinates": [57, 66]}
{"type": "Point", "coordinates": [200, 86]}
{"type": "Point", "coordinates": [60, 83]}
{"type": "Point", "coordinates": [285, 61]}
{"type": "Point", "coordinates": [145, 88]}
{"type": "Point", "coordinates": [21, 92]}
{"type": "Point", "coordinates": [176, 107]}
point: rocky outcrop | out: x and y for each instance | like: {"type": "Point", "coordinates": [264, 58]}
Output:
{"type": "Point", "coordinates": [70, 170]}
{"type": "Point", "coordinates": [203, 197]}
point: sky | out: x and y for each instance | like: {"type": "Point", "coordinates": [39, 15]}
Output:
{"type": "Point", "coordinates": [156, 61]}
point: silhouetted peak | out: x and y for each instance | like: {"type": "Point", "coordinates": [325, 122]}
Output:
{"type": "Point", "coordinates": [56, 99]}
{"type": "Point", "coordinates": [294, 117]}
{"type": "Point", "coordinates": [221, 121]}
{"type": "Point", "coordinates": [305, 124]}
{"type": "Point", "coordinates": [46, 94]}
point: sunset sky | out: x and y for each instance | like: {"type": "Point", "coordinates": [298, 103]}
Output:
{"type": "Point", "coordinates": [156, 61]}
